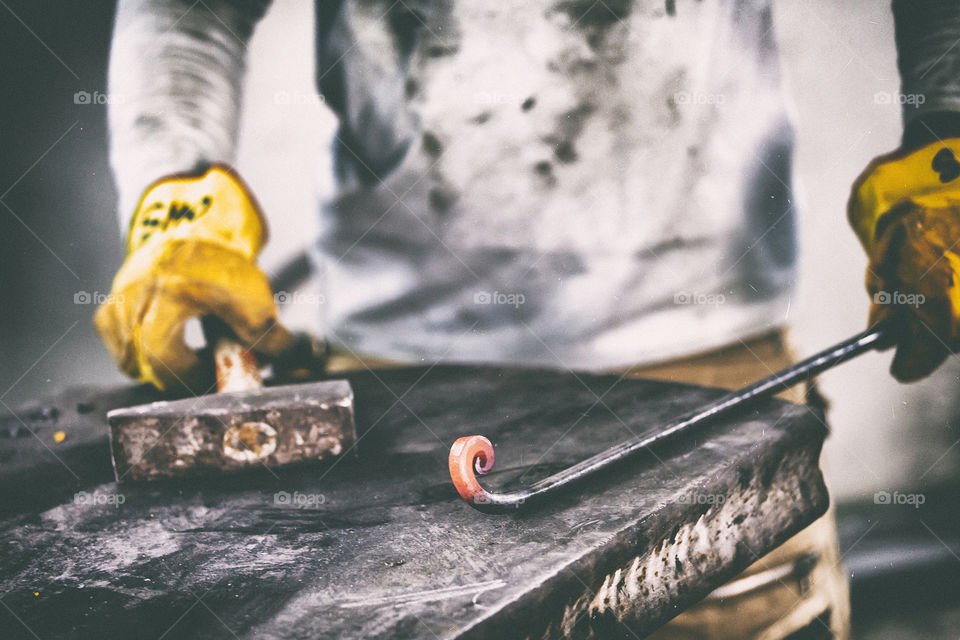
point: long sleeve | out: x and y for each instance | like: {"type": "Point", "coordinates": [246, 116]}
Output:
{"type": "Point", "coordinates": [928, 56]}
{"type": "Point", "coordinates": [175, 83]}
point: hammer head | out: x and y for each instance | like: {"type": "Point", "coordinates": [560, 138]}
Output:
{"type": "Point", "coordinates": [232, 431]}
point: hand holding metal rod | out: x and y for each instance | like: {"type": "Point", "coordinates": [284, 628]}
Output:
{"type": "Point", "coordinates": [473, 455]}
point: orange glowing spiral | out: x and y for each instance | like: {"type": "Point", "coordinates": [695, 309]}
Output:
{"type": "Point", "coordinates": [468, 455]}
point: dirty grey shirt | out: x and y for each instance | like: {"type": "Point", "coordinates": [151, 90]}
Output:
{"type": "Point", "coordinates": [571, 183]}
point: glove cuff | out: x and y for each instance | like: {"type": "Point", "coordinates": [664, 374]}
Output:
{"type": "Point", "coordinates": [215, 206]}
{"type": "Point", "coordinates": [929, 176]}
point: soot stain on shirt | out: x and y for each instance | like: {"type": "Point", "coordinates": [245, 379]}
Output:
{"type": "Point", "coordinates": [544, 170]}
{"type": "Point", "coordinates": [441, 198]}
{"type": "Point", "coordinates": [481, 118]}
{"type": "Point", "coordinates": [594, 19]}
{"type": "Point", "coordinates": [567, 129]}
{"type": "Point", "coordinates": [432, 144]}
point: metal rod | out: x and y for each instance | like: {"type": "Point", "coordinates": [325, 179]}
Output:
{"type": "Point", "coordinates": [475, 453]}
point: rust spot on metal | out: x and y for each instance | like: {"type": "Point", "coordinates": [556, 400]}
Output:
{"type": "Point", "coordinates": [250, 441]}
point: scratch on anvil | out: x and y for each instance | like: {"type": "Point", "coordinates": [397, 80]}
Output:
{"type": "Point", "coordinates": [584, 524]}
{"type": "Point", "coordinates": [426, 596]}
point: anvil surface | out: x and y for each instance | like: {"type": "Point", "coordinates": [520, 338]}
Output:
{"type": "Point", "coordinates": [379, 544]}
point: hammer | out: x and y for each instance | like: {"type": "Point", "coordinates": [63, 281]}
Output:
{"type": "Point", "coordinates": [244, 425]}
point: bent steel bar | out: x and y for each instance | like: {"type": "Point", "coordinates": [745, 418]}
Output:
{"type": "Point", "coordinates": [474, 454]}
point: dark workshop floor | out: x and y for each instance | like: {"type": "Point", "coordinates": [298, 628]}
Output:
{"type": "Point", "coordinates": [921, 624]}
{"type": "Point", "coordinates": [904, 566]}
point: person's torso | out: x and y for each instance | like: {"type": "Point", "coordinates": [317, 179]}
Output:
{"type": "Point", "coordinates": [578, 183]}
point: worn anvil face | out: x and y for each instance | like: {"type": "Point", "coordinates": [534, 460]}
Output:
{"type": "Point", "coordinates": [381, 545]}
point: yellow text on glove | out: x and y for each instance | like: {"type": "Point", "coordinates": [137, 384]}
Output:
{"type": "Point", "coordinates": [215, 207]}
{"type": "Point", "coordinates": [929, 177]}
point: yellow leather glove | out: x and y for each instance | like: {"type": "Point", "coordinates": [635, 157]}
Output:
{"type": "Point", "coordinates": [905, 208]}
{"type": "Point", "coordinates": [191, 252]}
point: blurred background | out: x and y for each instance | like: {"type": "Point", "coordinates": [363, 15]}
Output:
{"type": "Point", "coordinates": [60, 240]}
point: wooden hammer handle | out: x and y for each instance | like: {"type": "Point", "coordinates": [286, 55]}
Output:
{"type": "Point", "coordinates": [235, 366]}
